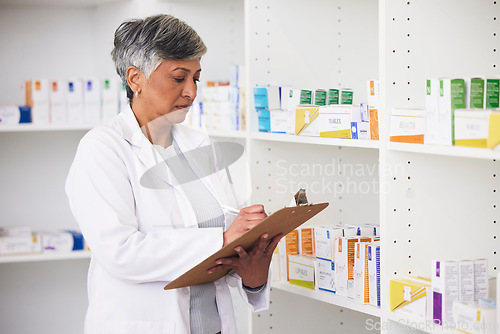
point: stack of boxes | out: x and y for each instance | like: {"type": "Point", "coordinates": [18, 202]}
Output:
{"type": "Point", "coordinates": [216, 107]}
{"type": "Point", "coordinates": [455, 297]}
{"type": "Point", "coordinates": [318, 113]}
{"type": "Point", "coordinates": [22, 240]}
{"type": "Point", "coordinates": [461, 112]}
{"type": "Point", "coordinates": [220, 104]}
{"type": "Point", "coordinates": [340, 259]}
{"type": "Point", "coordinates": [73, 101]}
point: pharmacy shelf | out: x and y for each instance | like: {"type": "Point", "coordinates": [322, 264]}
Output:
{"type": "Point", "coordinates": [45, 257]}
{"type": "Point", "coordinates": [453, 151]}
{"type": "Point", "coordinates": [327, 297]}
{"type": "Point", "coordinates": [73, 3]}
{"type": "Point", "coordinates": [26, 127]}
{"type": "Point", "coordinates": [281, 137]}
{"type": "Point", "coordinates": [226, 133]}
{"type": "Point", "coordinates": [415, 323]}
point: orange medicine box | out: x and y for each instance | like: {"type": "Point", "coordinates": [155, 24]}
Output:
{"type": "Point", "coordinates": [289, 245]}
{"type": "Point", "coordinates": [306, 243]}
{"type": "Point", "coordinates": [344, 264]}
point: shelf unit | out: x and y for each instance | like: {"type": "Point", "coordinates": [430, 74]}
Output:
{"type": "Point", "coordinates": [418, 193]}
{"type": "Point", "coordinates": [19, 258]}
{"type": "Point", "coordinates": [422, 195]}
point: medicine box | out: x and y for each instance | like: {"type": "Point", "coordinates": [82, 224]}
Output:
{"type": "Point", "coordinates": [374, 273]}
{"type": "Point", "coordinates": [346, 96]}
{"type": "Point", "coordinates": [19, 244]}
{"type": "Point", "coordinates": [306, 241]}
{"type": "Point", "coordinates": [325, 275]}
{"type": "Point", "coordinates": [493, 130]}
{"type": "Point", "coordinates": [466, 281]}
{"type": "Point", "coordinates": [328, 121]}
{"type": "Point", "coordinates": [92, 100]}
{"type": "Point", "coordinates": [266, 97]}
{"type": "Point", "coordinates": [320, 97]}
{"type": "Point", "coordinates": [451, 97]}
{"type": "Point", "coordinates": [432, 112]}
{"type": "Point", "coordinates": [344, 264]}
{"type": "Point", "coordinates": [444, 291]}
{"type": "Point", "coordinates": [57, 241]}
{"type": "Point", "coordinates": [410, 297]}
{"type": "Point", "coordinates": [296, 97]}
{"type": "Point", "coordinates": [492, 93]}
{"type": "Point", "coordinates": [361, 279]}
{"type": "Point", "coordinates": [74, 101]}
{"type": "Point", "coordinates": [57, 96]}
{"type": "Point", "coordinates": [123, 100]}
{"type": "Point", "coordinates": [278, 120]}
{"type": "Point", "coordinates": [289, 245]}
{"type": "Point", "coordinates": [9, 115]}
{"type": "Point", "coordinates": [324, 239]}
{"type": "Point", "coordinates": [407, 125]}
{"type": "Point", "coordinates": [110, 98]}
{"type": "Point", "coordinates": [301, 270]}
{"type": "Point", "coordinates": [474, 318]}
{"type": "Point", "coordinates": [37, 97]}
{"type": "Point", "coordinates": [333, 96]}
{"type": "Point", "coordinates": [264, 116]}
{"type": "Point", "coordinates": [373, 107]}
{"type": "Point", "coordinates": [275, 265]}
{"type": "Point", "coordinates": [471, 127]}
{"type": "Point", "coordinates": [475, 93]}
{"type": "Point", "coordinates": [481, 288]}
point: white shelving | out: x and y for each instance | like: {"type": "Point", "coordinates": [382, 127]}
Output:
{"type": "Point", "coordinates": [227, 134]}
{"type": "Point", "coordinates": [45, 257]}
{"type": "Point", "coordinates": [421, 192]}
{"type": "Point", "coordinates": [451, 151]}
{"type": "Point", "coordinates": [280, 137]}
{"type": "Point", "coordinates": [327, 297]}
{"type": "Point", "coordinates": [47, 127]}
{"type": "Point", "coordinates": [418, 193]}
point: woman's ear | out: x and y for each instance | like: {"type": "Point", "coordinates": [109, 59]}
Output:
{"type": "Point", "coordinates": [134, 79]}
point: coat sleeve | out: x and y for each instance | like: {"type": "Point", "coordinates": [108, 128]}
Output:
{"type": "Point", "coordinates": [258, 301]}
{"type": "Point", "coordinates": [102, 200]}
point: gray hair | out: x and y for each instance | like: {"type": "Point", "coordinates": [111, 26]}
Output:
{"type": "Point", "coordinates": [145, 43]}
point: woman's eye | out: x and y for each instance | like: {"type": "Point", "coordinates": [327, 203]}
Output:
{"type": "Point", "coordinates": [179, 80]}
{"type": "Point", "coordinates": [196, 80]}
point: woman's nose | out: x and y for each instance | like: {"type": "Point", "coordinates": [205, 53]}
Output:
{"type": "Point", "coordinates": [190, 91]}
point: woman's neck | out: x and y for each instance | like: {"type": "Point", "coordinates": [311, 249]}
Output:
{"type": "Point", "coordinates": [158, 135]}
{"type": "Point", "coordinates": [158, 130]}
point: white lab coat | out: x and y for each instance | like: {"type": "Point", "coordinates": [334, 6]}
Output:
{"type": "Point", "coordinates": [140, 237]}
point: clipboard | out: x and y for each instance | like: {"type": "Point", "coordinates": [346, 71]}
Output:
{"type": "Point", "coordinates": [282, 221]}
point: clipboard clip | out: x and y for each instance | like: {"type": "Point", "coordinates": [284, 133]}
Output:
{"type": "Point", "coordinates": [301, 198]}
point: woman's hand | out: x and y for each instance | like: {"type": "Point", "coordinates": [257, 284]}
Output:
{"type": "Point", "coordinates": [246, 219]}
{"type": "Point", "coordinates": [251, 266]}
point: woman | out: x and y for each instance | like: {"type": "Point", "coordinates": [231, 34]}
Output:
{"type": "Point", "coordinates": [143, 226]}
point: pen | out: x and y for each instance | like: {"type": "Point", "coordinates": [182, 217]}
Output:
{"type": "Point", "coordinates": [230, 209]}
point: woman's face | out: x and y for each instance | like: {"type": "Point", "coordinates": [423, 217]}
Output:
{"type": "Point", "coordinates": [170, 90]}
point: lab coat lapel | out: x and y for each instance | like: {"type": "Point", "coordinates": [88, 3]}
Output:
{"type": "Point", "coordinates": [154, 165]}
{"type": "Point", "coordinates": [189, 140]}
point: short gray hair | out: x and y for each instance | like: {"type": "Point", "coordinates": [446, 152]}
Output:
{"type": "Point", "coordinates": [145, 43]}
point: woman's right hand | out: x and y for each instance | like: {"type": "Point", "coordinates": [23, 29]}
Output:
{"type": "Point", "coordinates": [246, 219]}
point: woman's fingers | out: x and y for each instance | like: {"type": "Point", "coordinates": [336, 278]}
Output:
{"type": "Point", "coordinates": [256, 208]}
{"type": "Point", "coordinates": [273, 243]}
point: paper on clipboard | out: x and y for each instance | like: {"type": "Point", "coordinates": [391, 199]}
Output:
{"type": "Point", "coordinates": [282, 221]}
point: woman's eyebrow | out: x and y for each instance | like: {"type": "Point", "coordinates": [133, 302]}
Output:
{"type": "Point", "coordinates": [185, 69]}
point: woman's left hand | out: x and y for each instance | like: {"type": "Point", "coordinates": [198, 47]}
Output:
{"type": "Point", "coordinates": [251, 266]}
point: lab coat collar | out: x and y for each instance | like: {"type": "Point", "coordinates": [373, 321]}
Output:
{"type": "Point", "coordinates": [187, 139]}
